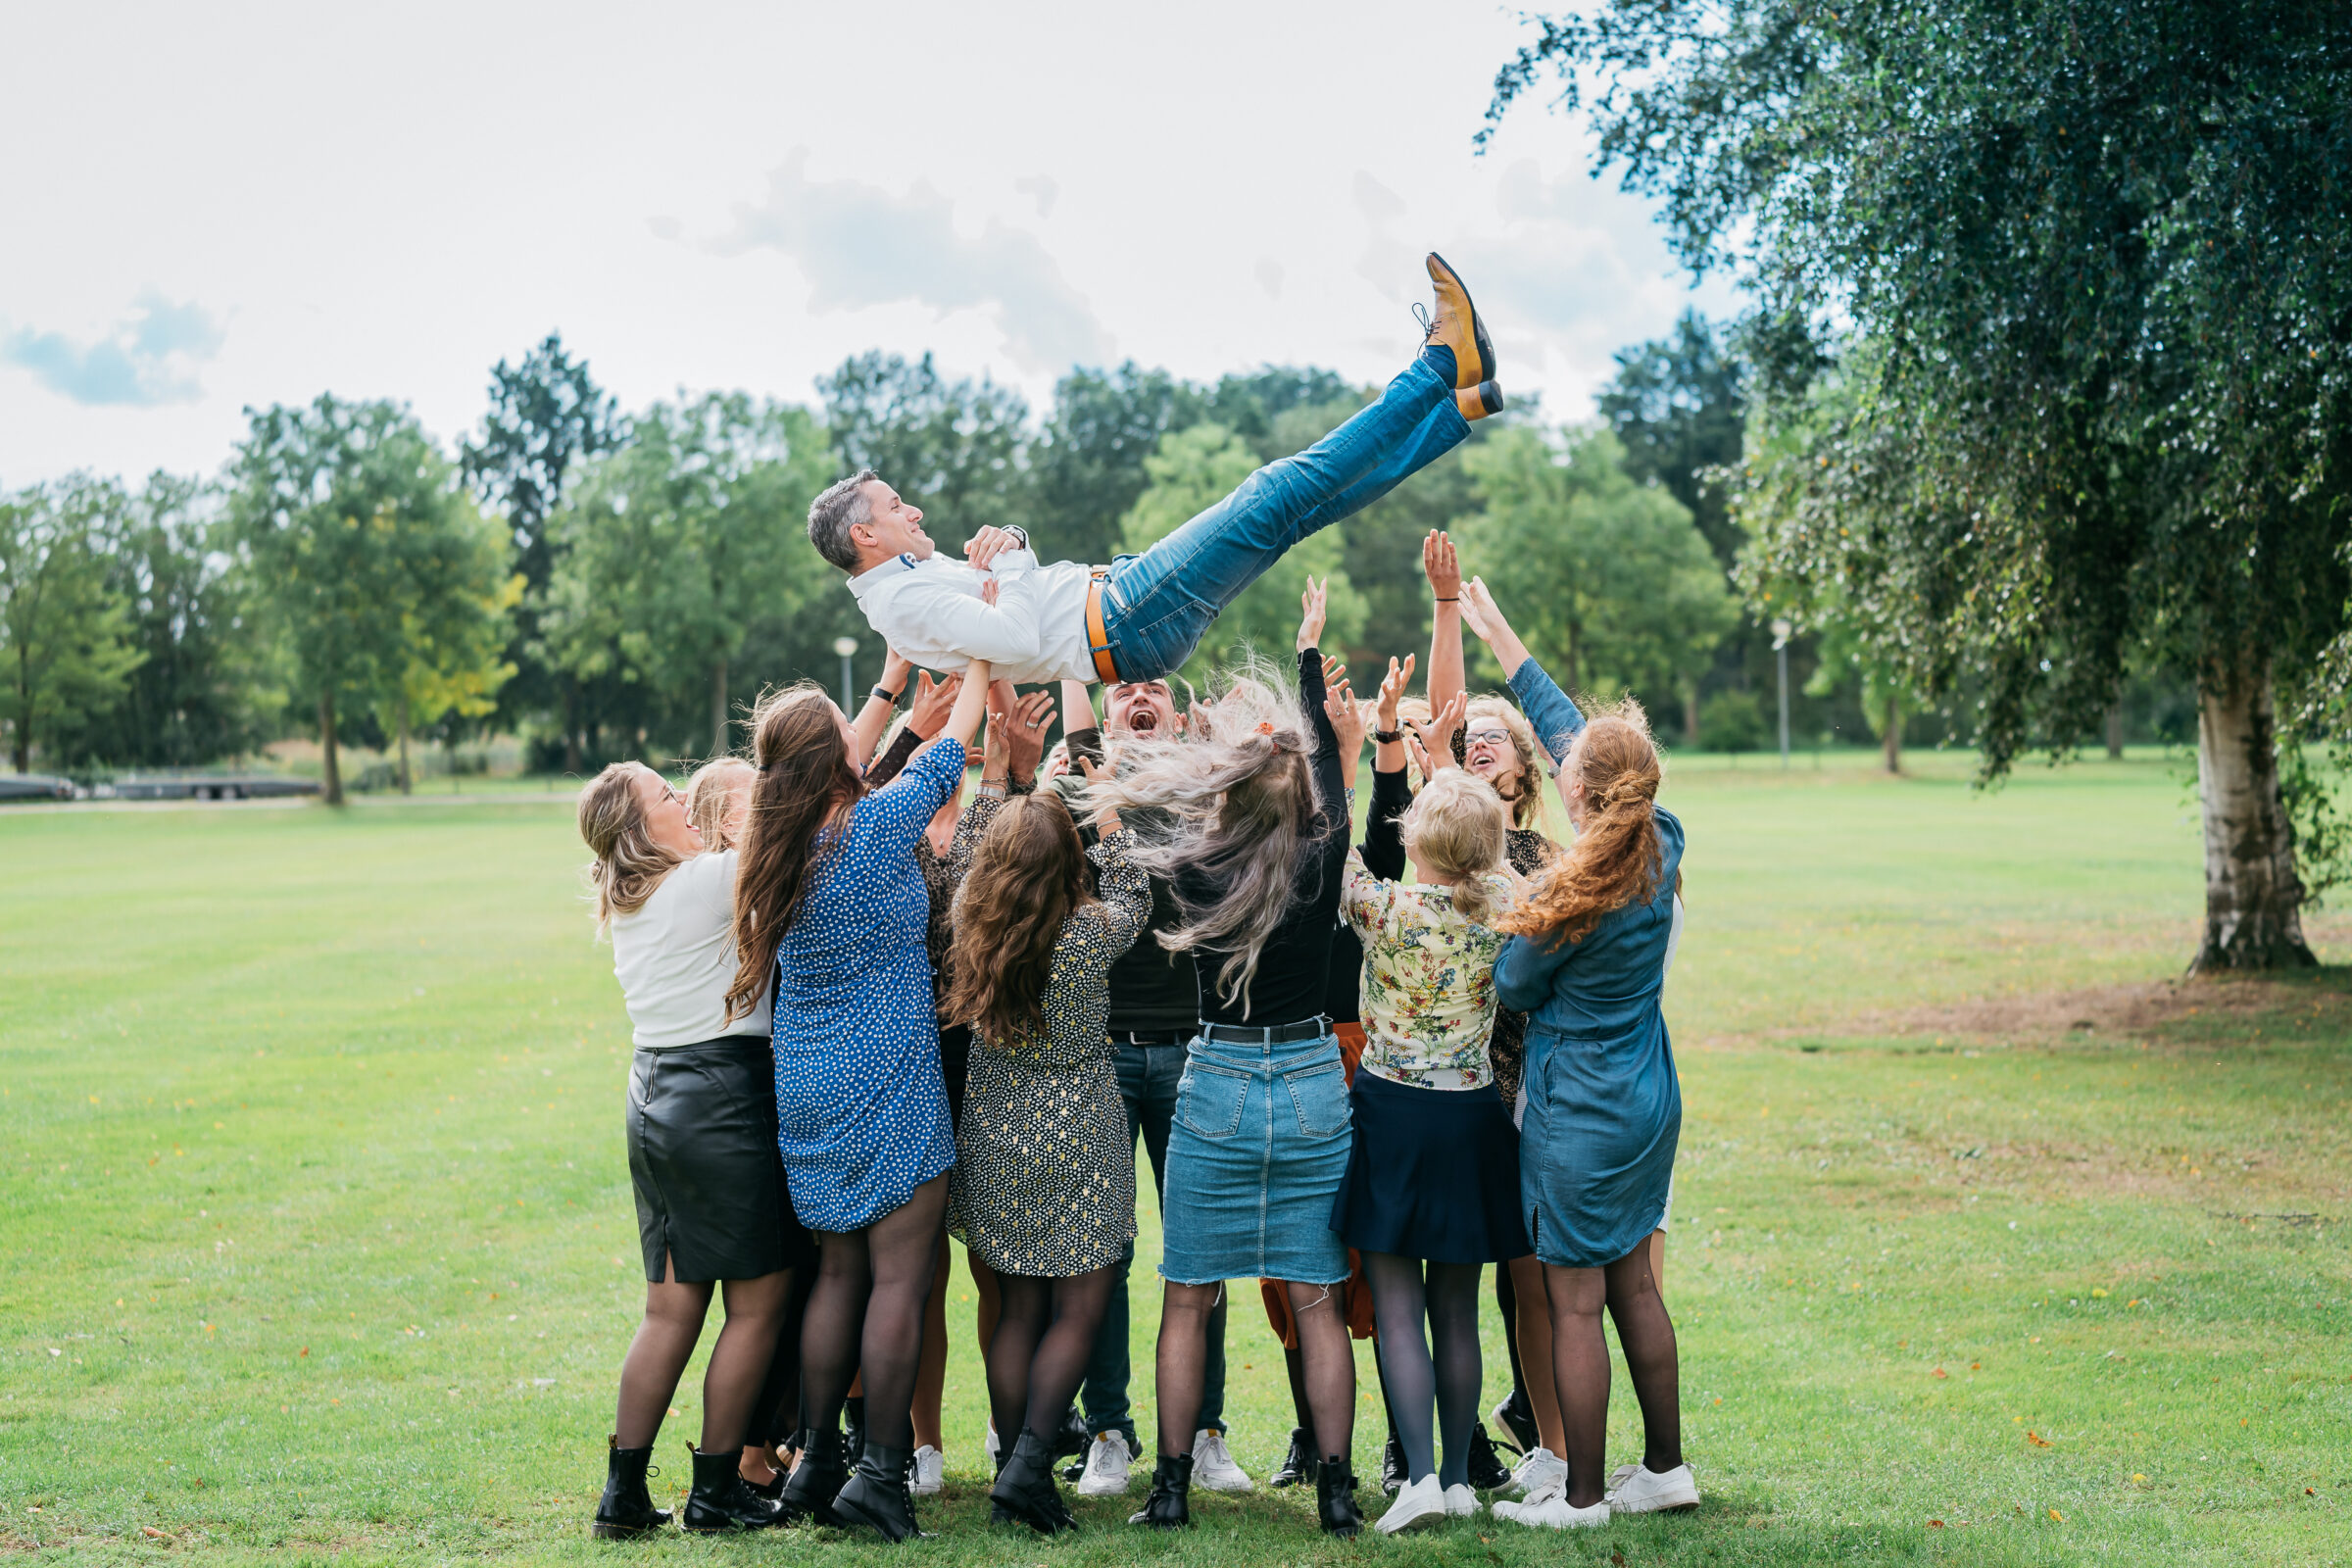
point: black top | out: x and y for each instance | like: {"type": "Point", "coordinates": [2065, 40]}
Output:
{"type": "Point", "coordinates": [1152, 991]}
{"type": "Point", "coordinates": [1384, 856]}
{"type": "Point", "coordinates": [1294, 968]}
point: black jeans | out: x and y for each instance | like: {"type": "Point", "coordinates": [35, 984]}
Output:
{"type": "Point", "coordinates": [1147, 1079]}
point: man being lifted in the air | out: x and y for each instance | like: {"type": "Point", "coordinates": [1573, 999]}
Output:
{"type": "Point", "coordinates": [1141, 618]}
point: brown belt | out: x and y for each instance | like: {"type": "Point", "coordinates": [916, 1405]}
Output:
{"type": "Point", "coordinates": [1098, 635]}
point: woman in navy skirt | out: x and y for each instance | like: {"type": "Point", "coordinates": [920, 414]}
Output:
{"type": "Point", "coordinates": [1587, 962]}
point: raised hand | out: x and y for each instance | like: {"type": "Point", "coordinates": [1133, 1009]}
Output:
{"type": "Point", "coordinates": [1311, 606]}
{"type": "Point", "coordinates": [983, 548]}
{"type": "Point", "coordinates": [1025, 724]}
{"type": "Point", "coordinates": [1392, 690]}
{"type": "Point", "coordinates": [1347, 717]}
{"type": "Point", "coordinates": [1106, 820]}
{"type": "Point", "coordinates": [1478, 609]}
{"type": "Point", "coordinates": [1441, 565]}
{"type": "Point", "coordinates": [933, 702]}
{"type": "Point", "coordinates": [1333, 670]}
{"type": "Point", "coordinates": [895, 668]}
{"type": "Point", "coordinates": [1439, 734]}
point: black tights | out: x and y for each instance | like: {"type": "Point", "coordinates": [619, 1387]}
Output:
{"type": "Point", "coordinates": [1327, 1362]}
{"type": "Point", "coordinates": [665, 1343]}
{"type": "Point", "coordinates": [867, 1315]}
{"type": "Point", "coordinates": [1580, 1361]}
{"type": "Point", "coordinates": [1447, 1301]}
{"type": "Point", "coordinates": [1045, 1336]}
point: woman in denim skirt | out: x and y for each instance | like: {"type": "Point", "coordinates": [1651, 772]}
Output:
{"type": "Point", "coordinates": [1256, 849]}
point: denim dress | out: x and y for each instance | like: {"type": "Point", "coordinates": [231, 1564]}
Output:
{"type": "Point", "coordinates": [1604, 1108]}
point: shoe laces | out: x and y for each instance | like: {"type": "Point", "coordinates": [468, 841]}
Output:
{"type": "Point", "coordinates": [1429, 328]}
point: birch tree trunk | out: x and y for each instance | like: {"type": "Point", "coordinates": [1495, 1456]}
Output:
{"type": "Point", "coordinates": [2253, 899]}
{"type": "Point", "coordinates": [1893, 736]}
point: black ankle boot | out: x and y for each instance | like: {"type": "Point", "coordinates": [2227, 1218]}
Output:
{"type": "Point", "coordinates": [1335, 1497]}
{"type": "Point", "coordinates": [626, 1508]}
{"type": "Point", "coordinates": [1297, 1465]}
{"type": "Point", "coordinates": [877, 1496]}
{"type": "Point", "coordinates": [810, 1489]}
{"type": "Point", "coordinates": [720, 1500]}
{"type": "Point", "coordinates": [1025, 1488]}
{"type": "Point", "coordinates": [1486, 1469]}
{"type": "Point", "coordinates": [1169, 1507]}
{"type": "Point", "coordinates": [1392, 1466]}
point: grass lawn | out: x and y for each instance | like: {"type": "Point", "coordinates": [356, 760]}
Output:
{"type": "Point", "coordinates": [1992, 1244]}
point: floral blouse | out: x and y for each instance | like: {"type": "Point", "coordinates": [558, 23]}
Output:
{"type": "Point", "coordinates": [1429, 980]}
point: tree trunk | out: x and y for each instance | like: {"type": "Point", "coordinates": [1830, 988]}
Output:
{"type": "Point", "coordinates": [719, 707]}
{"type": "Point", "coordinates": [2115, 733]}
{"type": "Point", "coordinates": [407, 782]}
{"type": "Point", "coordinates": [332, 771]}
{"type": "Point", "coordinates": [21, 732]}
{"type": "Point", "coordinates": [572, 725]}
{"type": "Point", "coordinates": [1892, 737]}
{"type": "Point", "coordinates": [1690, 713]}
{"type": "Point", "coordinates": [2253, 899]}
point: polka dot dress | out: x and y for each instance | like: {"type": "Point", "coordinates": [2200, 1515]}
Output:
{"type": "Point", "coordinates": [861, 1113]}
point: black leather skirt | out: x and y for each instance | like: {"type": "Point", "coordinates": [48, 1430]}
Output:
{"type": "Point", "coordinates": [702, 1135]}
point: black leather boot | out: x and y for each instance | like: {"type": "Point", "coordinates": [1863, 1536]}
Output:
{"type": "Point", "coordinates": [1025, 1487]}
{"type": "Point", "coordinates": [626, 1510]}
{"type": "Point", "coordinates": [1392, 1466]}
{"type": "Point", "coordinates": [720, 1500]}
{"type": "Point", "coordinates": [810, 1489]}
{"type": "Point", "coordinates": [1170, 1506]}
{"type": "Point", "coordinates": [1297, 1465]}
{"type": "Point", "coordinates": [1486, 1469]}
{"type": "Point", "coordinates": [877, 1496]}
{"type": "Point", "coordinates": [1335, 1497]}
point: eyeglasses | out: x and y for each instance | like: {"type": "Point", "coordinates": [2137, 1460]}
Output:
{"type": "Point", "coordinates": [1486, 737]}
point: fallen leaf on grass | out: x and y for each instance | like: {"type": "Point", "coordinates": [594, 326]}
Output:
{"type": "Point", "coordinates": [1939, 1373]}
{"type": "Point", "coordinates": [2055, 1515]}
{"type": "Point", "coordinates": [1934, 1524]}
{"type": "Point", "coordinates": [153, 1534]}
{"type": "Point", "coordinates": [2036, 1441]}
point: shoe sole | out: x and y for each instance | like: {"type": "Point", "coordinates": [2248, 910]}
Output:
{"type": "Point", "coordinates": [1229, 1487]}
{"type": "Point", "coordinates": [853, 1517]}
{"type": "Point", "coordinates": [1094, 1490]}
{"type": "Point", "coordinates": [1419, 1521]}
{"type": "Point", "coordinates": [1479, 341]}
{"type": "Point", "coordinates": [604, 1532]}
{"type": "Point", "coordinates": [1656, 1507]}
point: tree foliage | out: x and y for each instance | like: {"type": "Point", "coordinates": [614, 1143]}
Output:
{"type": "Point", "coordinates": [66, 641]}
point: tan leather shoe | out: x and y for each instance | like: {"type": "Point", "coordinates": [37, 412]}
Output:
{"type": "Point", "coordinates": [1477, 402]}
{"type": "Point", "coordinates": [1456, 323]}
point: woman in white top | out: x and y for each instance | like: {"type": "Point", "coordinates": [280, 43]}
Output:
{"type": "Point", "coordinates": [702, 1142]}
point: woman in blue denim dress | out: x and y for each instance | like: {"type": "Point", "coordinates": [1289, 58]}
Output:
{"type": "Point", "coordinates": [1256, 852]}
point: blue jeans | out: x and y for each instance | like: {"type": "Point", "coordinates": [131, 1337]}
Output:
{"type": "Point", "coordinates": [1157, 606]}
{"type": "Point", "coordinates": [1147, 1079]}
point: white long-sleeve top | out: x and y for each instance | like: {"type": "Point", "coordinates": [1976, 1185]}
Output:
{"type": "Point", "coordinates": [930, 611]}
{"type": "Point", "coordinates": [674, 956]}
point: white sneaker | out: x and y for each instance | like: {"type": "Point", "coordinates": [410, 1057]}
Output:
{"type": "Point", "coordinates": [1554, 1513]}
{"type": "Point", "coordinates": [1418, 1503]}
{"type": "Point", "coordinates": [930, 1468]}
{"type": "Point", "coordinates": [990, 1444]}
{"type": "Point", "coordinates": [1540, 1471]}
{"type": "Point", "coordinates": [1548, 1486]}
{"type": "Point", "coordinates": [1638, 1489]}
{"type": "Point", "coordinates": [1213, 1466]}
{"type": "Point", "coordinates": [1107, 1462]}
{"type": "Point", "coordinates": [1460, 1502]}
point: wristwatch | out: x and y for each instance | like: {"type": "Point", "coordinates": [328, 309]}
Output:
{"type": "Point", "coordinates": [1388, 737]}
{"type": "Point", "coordinates": [886, 695]}
{"type": "Point", "coordinates": [1018, 532]}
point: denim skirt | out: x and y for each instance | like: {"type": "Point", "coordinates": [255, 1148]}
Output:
{"type": "Point", "coordinates": [1257, 1152]}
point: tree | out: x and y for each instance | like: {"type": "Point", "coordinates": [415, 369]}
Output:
{"type": "Point", "coordinates": [359, 546]}
{"type": "Point", "coordinates": [547, 415]}
{"type": "Point", "coordinates": [1191, 470]}
{"type": "Point", "coordinates": [1610, 582]}
{"type": "Point", "coordinates": [2090, 270]}
{"type": "Point", "coordinates": [65, 637]}
{"type": "Point", "coordinates": [1087, 465]}
{"type": "Point", "coordinates": [1679, 410]}
{"type": "Point", "coordinates": [672, 547]}
{"type": "Point", "coordinates": [957, 449]}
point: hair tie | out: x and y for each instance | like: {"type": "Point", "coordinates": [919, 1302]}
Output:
{"type": "Point", "coordinates": [1265, 726]}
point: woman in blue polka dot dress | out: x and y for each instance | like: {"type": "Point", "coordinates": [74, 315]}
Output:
{"type": "Point", "coordinates": [830, 900]}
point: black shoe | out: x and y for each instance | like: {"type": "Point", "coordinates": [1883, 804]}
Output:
{"type": "Point", "coordinates": [626, 1510]}
{"type": "Point", "coordinates": [1518, 1425]}
{"type": "Point", "coordinates": [853, 1425]}
{"type": "Point", "coordinates": [773, 1489]}
{"type": "Point", "coordinates": [1487, 1471]}
{"type": "Point", "coordinates": [1070, 1443]}
{"type": "Point", "coordinates": [810, 1489]}
{"type": "Point", "coordinates": [1169, 1507]}
{"type": "Point", "coordinates": [720, 1500]}
{"type": "Point", "coordinates": [1334, 1498]}
{"type": "Point", "coordinates": [1392, 1467]}
{"type": "Point", "coordinates": [1297, 1465]}
{"type": "Point", "coordinates": [1025, 1489]}
{"type": "Point", "coordinates": [877, 1497]}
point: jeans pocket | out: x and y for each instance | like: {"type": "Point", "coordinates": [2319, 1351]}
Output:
{"type": "Point", "coordinates": [1319, 1095]}
{"type": "Point", "coordinates": [1210, 1100]}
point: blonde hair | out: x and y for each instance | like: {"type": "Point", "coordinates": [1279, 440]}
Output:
{"type": "Point", "coordinates": [1616, 858]}
{"type": "Point", "coordinates": [711, 791]}
{"type": "Point", "coordinates": [1455, 828]}
{"type": "Point", "coordinates": [1527, 801]}
{"type": "Point", "coordinates": [628, 864]}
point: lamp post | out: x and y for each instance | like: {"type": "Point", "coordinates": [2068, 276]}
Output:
{"type": "Point", "coordinates": [1780, 647]}
{"type": "Point", "coordinates": [847, 648]}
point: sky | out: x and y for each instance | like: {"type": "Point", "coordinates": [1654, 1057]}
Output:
{"type": "Point", "coordinates": [227, 206]}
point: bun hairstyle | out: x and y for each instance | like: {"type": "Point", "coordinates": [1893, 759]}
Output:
{"type": "Point", "coordinates": [1614, 860]}
{"type": "Point", "coordinates": [628, 864]}
{"type": "Point", "coordinates": [804, 777]}
{"type": "Point", "coordinates": [709, 791]}
{"type": "Point", "coordinates": [1455, 827]}
{"type": "Point", "coordinates": [1231, 804]}
{"type": "Point", "coordinates": [1028, 872]}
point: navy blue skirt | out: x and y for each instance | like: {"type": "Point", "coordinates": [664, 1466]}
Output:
{"type": "Point", "coordinates": [1434, 1175]}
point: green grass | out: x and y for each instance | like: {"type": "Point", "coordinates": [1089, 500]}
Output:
{"type": "Point", "coordinates": [319, 1238]}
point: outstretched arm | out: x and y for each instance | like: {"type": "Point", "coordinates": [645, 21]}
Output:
{"type": "Point", "coordinates": [874, 717]}
{"type": "Point", "coordinates": [1554, 718]}
{"type": "Point", "coordinates": [1442, 567]}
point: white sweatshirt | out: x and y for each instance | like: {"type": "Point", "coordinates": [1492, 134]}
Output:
{"type": "Point", "coordinates": [674, 956]}
{"type": "Point", "coordinates": [930, 611]}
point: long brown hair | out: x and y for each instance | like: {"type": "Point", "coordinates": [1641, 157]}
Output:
{"type": "Point", "coordinates": [628, 864]}
{"type": "Point", "coordinates": [1615, 859]}
{"type": "Point", "coordinates": [805, 777]}
{"type": "Point", "coordinates": [1028, 873]}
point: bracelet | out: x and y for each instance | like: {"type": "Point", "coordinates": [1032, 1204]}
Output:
{"type": "Point", "coordinates": [1450, 600]}
{"type": "Point", "coordinates": [991, 786]}
{"type": "Point", "coordinates": [1388, 737]}
{"type": "Point", "coordinates": [886, 695]}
